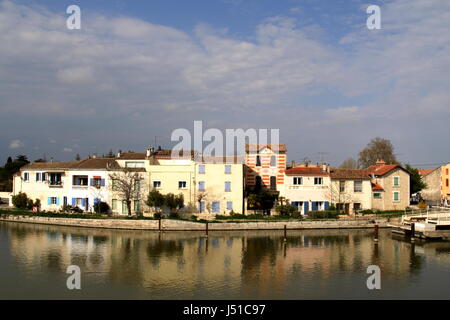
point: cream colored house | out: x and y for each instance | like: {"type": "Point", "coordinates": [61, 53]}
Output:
{"type": "Point", "coordinates": [390, 186]}
{"type": "Point", "coordinates": [350, 190]}
{"type": "Point", "coordinates": [212, 185]}
{"type": "Point", "coordinates": [306, 186]}
{"type": "Point", "coordinates": [433, 180]}
{"type": "Point", "coordinates": [56, 184]}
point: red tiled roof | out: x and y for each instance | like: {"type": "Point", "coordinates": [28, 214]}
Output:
{"type": "Point", "coordinates": [337, 173]}
{"type": "Point", "coordinates": [281, 148]}
{"type": "Point", "coordinates": [93, 163]}
{"type": "Point", "coordinates": [424, 172]}
{"type": "Point", "coordinates": [382, 169]}
{"type": "Point", "coordinates": [306, 171]}
{"type": "Point", "coordinates": [377, 187]}
{"type": "Point", "coordinates": [167, 154]}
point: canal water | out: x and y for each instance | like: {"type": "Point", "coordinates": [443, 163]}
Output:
{"type": "Point", "coordinates": [311, 264]}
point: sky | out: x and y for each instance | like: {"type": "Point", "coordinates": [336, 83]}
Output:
{"type": "Point", "coordinates": [138, 70]}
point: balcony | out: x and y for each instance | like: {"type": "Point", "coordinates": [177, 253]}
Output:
{"type": "Point", "coordinates": [55, 184]}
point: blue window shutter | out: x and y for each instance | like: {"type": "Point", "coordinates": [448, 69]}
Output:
{"type": "Point", "coordinates": [49, 200]}
{"type": "Point", "coordinates": [83, 202]}
{"type": "Point", "coordinates": [229, 205]}
{"type": "Point", "coordinates": [96, 200]}
{"type": "Point", "coordinates": [44, 176]}
{"type": "Point", "coordinates": [102, 182]}
{"type": "Point", "coordinates": [327, 205]}
{"type": "Point", "coordinates": [92, 181]}
{"type": "Point", "coordinates": [306, 207]}
{"type": "Point", "coordinates": [314, 206]}
{"type": "Point", "coordinates": [57, 201]}
{"type": "Point", "coordinates": [73, 201]}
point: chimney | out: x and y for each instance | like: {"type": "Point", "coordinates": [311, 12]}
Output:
{"type": "Point", "coordinates": [118, 154]}
{"type": "Point", "coordinates": [94, 156]}
{"type": "Point", "coordinates": [150, 151]}
{"type": "Point", "coordinates": [380, 162]}
{"type": "Point", "coordinates": [293, 164]}
{"type": "Point", "coordinates": [324, 167]}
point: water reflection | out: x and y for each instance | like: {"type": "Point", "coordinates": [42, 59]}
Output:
{"type": "Point", "coordinates": [226, 265]}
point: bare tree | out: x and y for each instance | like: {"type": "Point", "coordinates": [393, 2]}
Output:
{"type": "Point", "coordinates": [349, 163]}
{"type": "Point", "coordinates": [127, 185]}
{"type": "Point", "coordinates": [337, 196]}
{"type": "Point", "coordinates": [201, 196]}
{"type": "Point", "coordinates": [377, 148]}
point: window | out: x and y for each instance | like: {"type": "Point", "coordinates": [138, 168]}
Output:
{"type": "Point", "coordinates": [124, 207]}
{"type": "Point", "coordinates": [377, 195]}
{"type": "Point", "coordinates": [201, 208]}
{"type": "Point", "coordinates": [182, 184]}
{"type": "Point", "coordinates": [446, 182]}
{"type": "Point", "coordinates": [201, 186]}
{"type": "Point", "coordinates": [137, 185]}
{"type": "Point", "coordinates": [446, 171]}
{"type": "Point", "coordinates": [273, 183]}
{"type": "Point", "coordinates": [273, 161]}
{"type": "Point", "coordinates": [357, 206]}
{"type": "Point", "coordinates": [137, 206]}
{"type": "Point", "coordinates": [156, 184]}
{"type": "Point", "coordinates": [229, 205]}
{"type": "Point", "coordinates": [297, 181]}
{"type": "Point", "coordinates": [258, 182]}
{"type": "Point", "coordinates": [114, 204]}
{"type": "Point", "coordinates": [53, 200]}
{"type": "Point", "coordinates": [228, 186]}
{"type": "Point", "coordinates": [396, 182]}
{"type": "Point", "coordinates": [97, 182]}
{"type": "Point", "coordinates": [134, 164]}
{"type": "Point", "coordinates": [201, 169]}
{"type": "Point", "coordinates": [341, 186]}
{"type": "Point", "coordinates": [115, 185]}
{"type": "Point", "coordinates": [357, 186]}
{"type": "Point", "coordinates": [55, 179]}
{"type": "Point", "coordinates": [318, 181]}
{"type": "Point", "coordinates": [26, 176]}
{"type": "Point", "coordinates": [216, 207]}
{"type": "Point", "coordinates": [38, 176]}
{"type": "Point", "coordinates": [258, 161]}
{"type": "Point", "coordinates": [227, 169]}
{"type": "Point", "coordinates": [80, 180]}
{"type": "Point", "coordinates": [396, 196]}
{"type": "Point", "coordinates": [79, 202]}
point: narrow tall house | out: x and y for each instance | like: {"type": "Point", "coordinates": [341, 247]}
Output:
{"type": "Point", "coordinates": [265, 166]}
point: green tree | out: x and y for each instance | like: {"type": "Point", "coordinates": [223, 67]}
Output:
{"type": "Point", "coordinates": [174, 202]}
{"type": "Point", "coordinates": [155, 199]}
{"type": "Point", "coordinates": [21, 200]}
{"type": "Point", "coordinates": [416, 183]}
{"type": "Point", "coordinates": [377, 148]}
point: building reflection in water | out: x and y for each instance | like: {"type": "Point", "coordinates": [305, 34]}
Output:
{"type": "Point", "coordinates": [256, 264]}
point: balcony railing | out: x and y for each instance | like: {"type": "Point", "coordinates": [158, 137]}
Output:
{"type": "Point", "coordinates": [55, 184]}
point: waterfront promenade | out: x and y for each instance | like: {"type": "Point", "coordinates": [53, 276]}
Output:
{"type": "Point", "coordinates": [181, 225]}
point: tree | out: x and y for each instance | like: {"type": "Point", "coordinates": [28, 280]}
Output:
{"type": "Point", "coordinates": [126, 184]}
{"type": "Point", "coordinates": [174, 202]}
{"type": "Point", "coordinates": [110, 154]}
{"type": "Point", "coordinates": [349, 163]}
{"type": "Point", "coordinates": [20, 200]}
{"type": "Point", "coordinates": [202, 196]}
{"type": "Point", "coordinates": [262, 200]}
{"type": "Point", "coordinates": [77, 157]}
{"type": "Point", "coordinates": [155, 199]}
{"type": "Point", "coordinates": [377, 148]}
{"type": "Point", "coordinates": [416, 183]}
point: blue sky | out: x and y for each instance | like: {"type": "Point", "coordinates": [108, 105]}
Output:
{"type": "Point", "coordinates": [139, 69]}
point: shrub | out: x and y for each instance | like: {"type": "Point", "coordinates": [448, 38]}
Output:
{"type": "Point", "coordinates": [71, 209]}
{"type": "Point", "coordinates": [286, 210]}
{"type": "Point", "coordinates": [174, 215]}
{"type": "Point", "coordinates": [323, 214]}
{"type": "Point", "coordinates": [20, 200]}
{"type": "Point", "coordinates": [157, 215]}
{"type": "Point", "coordinates": [101, 207]}
{"type": "Point", "coordinates": [332, 207]}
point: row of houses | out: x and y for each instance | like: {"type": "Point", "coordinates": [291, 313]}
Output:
{"type": "Point", "coordinates": [437, 182]}
{"type": "Point", "coordinates": [214, 185]}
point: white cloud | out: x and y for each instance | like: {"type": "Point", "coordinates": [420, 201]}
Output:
{"type": "Point", "coordinates": [128, 73]}
{"type": "Point", "coordinates": [67, 150]}
{"type": "Point", "coordinates": [16, 144]}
